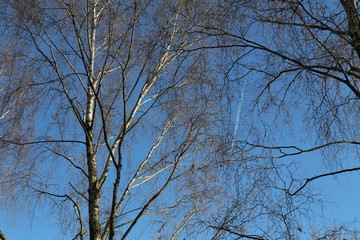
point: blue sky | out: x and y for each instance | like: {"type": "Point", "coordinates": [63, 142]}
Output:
{"type": "Point", "coordinates": [341, 194]}
{"type": "Point", "coordinates": [23, 228]}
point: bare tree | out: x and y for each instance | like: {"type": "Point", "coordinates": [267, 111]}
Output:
{"type": "Point", "coordinates": [135, 129]}
{"type": "Point", "coordinates": [302, 59]}
{"type": "Point", "coordinates": [17, 103]}
{"type": "Point", "coordinates": [130, 121]}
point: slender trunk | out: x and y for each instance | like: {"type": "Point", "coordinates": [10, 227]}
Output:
{"type": "Point", "coordinates": [114, 201]}
{"type": "Point", "coordinates": [353, 23]}
{"type": "Point", "coordinates": [94, 189]}
{"type": "Point", "coordinates": [118, 167]}
{"type": "Point", "coordinates": [94, 224]}
{"type": "Point", "coordinates": [94, 195]}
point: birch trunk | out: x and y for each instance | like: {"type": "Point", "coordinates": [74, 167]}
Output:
{"type": "Point", "coordinates": [94, 191]}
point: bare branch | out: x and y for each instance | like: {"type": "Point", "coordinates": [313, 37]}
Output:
{"type": "Point", "coordinates": [2, 236]}
{"type": "Point", "coordinates": [297, 150]}
{"type": "Point", "coordinates": [246, 236]}
{"type": "Point", "coordinates": [308, 180]}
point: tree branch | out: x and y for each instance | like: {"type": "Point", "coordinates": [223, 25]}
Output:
{"type": "Point", "coordinates": [255, 237]}
{"type": "Point", "coordinates": [297, 149]}
{"type": "Point", "coordinates": [2, 236]}
{"type": "Point", "coordinates": [323, 175]}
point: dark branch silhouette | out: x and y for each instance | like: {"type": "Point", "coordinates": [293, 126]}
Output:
{"type": "Point", "coordinates": [323, 175]}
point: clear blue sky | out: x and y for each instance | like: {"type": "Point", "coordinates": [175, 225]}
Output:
{"type": "Point", "coordinates": [341, 193]}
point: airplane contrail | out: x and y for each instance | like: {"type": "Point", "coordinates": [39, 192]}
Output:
{"type": "Point", "coordinates": [238, 114]}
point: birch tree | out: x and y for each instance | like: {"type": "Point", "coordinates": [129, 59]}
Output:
{"type": "Point", "coordinates": [15, 117]}
{"type": "Point", "coordinates": [132, 136]}
{"type": "Point", "coordinates": [130, 120]}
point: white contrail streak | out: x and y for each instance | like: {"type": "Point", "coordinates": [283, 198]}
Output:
{"type": "Point", "coordinates": [238, 114]}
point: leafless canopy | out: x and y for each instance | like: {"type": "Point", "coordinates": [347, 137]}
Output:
{"type": "Point", "coordinates": [121, 113]}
